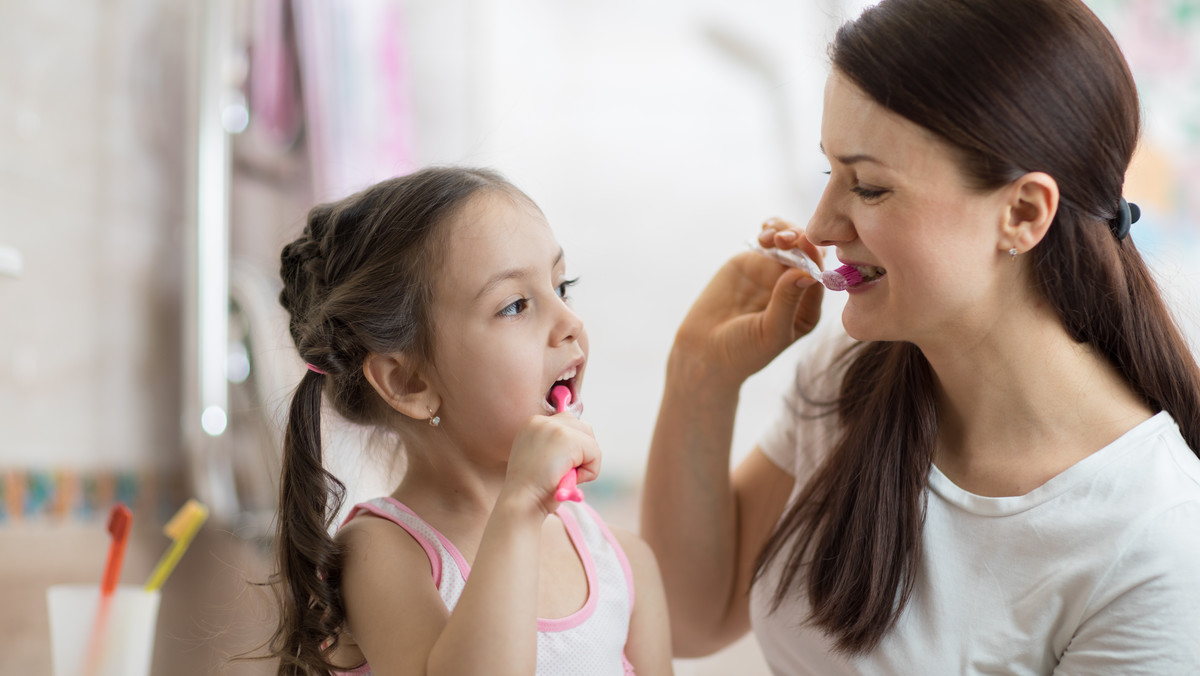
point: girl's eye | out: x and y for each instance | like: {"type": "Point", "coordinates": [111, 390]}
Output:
{"type": "Point", "coordinates": [515, 308]}
{"type": "Point", "coordinates": [868, 194]}
{"type": "Point", "coordinates": [562, 288]}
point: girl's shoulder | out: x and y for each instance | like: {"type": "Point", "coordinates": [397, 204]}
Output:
{"type": "Point", "coordinates": [395, 541]}
{"type": "Point", "coordinates": [371, 541]}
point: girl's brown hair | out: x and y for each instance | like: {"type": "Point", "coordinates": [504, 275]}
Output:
{"type": "Point", "coordinates": [359, 280]}
{"type": "Point", "coordinates": [1014, 86]}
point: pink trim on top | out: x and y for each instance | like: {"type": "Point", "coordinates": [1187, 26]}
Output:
{"type": "Point", "coordinates": [435, 560]}
{"type": "Point", "coordinates": [612, 540]}
{"type": "Point", "coordinates": [364, 668]}
{"type": "Point", "coordinates": [589, 569]}
{"type": "Point", "coordinates": [569, 523]}
{"type": "Point", "coordinates": [459, 560]}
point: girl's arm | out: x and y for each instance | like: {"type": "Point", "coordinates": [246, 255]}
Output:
{"type": "Point", "coordinates": [706, 526]}
{"type": "Point", "coordinates": [396, 614]}
{"type": "Point", "coordinates": [400, 622]}
{"type": "Point", "coordinates": [648, 647]}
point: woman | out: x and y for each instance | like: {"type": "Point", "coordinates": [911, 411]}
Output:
{"type": "Point", "coordinates": [988, 465]}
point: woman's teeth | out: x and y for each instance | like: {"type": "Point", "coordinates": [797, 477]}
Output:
{"type": "Point", "coordinates": [870, 272]}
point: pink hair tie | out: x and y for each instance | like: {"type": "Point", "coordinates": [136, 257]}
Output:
{"type": "Point", "coordinates": [316, 370]}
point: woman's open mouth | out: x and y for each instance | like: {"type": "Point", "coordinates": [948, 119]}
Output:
{"type": "Point", "coordinates": [869, 273]}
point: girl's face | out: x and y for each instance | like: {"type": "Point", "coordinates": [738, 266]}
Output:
{"type": "Point", "coordinates": [505, 331]}
{"type": "Point", "coordinates": [898, 207]}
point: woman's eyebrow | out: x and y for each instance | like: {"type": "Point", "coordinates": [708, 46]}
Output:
{"type": "Point", "coordinates": [853, 159]}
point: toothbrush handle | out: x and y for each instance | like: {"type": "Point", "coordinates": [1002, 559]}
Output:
{"type": "Point", "coordinates": [567, 490]}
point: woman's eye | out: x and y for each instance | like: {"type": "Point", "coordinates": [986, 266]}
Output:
{"type": "Point", "coordinates": [515, 308]}
{"type": "Point", "coordinates": [868, 194]}
{"type": "Point", "coordinates": [562, 288]}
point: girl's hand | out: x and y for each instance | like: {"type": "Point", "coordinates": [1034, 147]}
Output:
{"type": "Point", "coordinates": [545, 450]}
{"type": "Point", "coordinates": [751, 310]}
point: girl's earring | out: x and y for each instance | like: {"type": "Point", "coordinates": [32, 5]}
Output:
{"type": "Point", "coordinates": [434, 420]}
{"type": "Point", "coordinates": [1013, 252]}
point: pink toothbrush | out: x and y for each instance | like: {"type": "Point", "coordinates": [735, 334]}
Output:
{"type": "Point", "coordinates": [560, 396]}
{"type": "Point", "coordinates": [842, 278]}
{"type": "Point", "coordinates": [835, 280]}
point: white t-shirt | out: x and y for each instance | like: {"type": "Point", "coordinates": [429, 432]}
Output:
{"type": "Point", "coordinates": [1097, 571]}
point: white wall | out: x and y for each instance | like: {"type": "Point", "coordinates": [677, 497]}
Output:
{"type": "Point", "coordinates": [653, 136]}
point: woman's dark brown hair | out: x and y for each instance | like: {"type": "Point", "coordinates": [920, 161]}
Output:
{"type": "Point", "coordinates": [357, 281]}
{"type": "Point", "coordinates": [1014, 86]}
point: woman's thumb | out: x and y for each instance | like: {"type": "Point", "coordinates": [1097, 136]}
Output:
{"type": "Point", "coordinates": [791, 291]}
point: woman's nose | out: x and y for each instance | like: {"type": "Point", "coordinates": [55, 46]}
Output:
{"type": "Point", "coordinates": [829, 224]}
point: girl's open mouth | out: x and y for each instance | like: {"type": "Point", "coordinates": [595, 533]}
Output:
{"type": "Point", "coordinates": [567, 379]}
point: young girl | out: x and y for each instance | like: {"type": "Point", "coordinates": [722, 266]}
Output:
{"type": "Point", "coordinates": [434, 307]}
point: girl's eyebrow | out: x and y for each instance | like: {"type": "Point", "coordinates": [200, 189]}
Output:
{"type": "Point", "coordinates": [852, 159]}
{"type": "Point", "coordinates": [515, 273]}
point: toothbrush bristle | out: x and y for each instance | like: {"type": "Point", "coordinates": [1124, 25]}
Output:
{"type": "Point", "coordinates": [842, 278]}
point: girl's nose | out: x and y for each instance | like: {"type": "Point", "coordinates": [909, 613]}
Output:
{"type": "Point", "coordinates": [569, 326]}
{"type": "Point", "coordinates": [829, 225]}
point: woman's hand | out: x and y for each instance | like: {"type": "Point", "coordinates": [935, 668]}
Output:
{"type": "Point", "coordinates": [751, 310]}
{"type": "Point", "coordinates": [545, 449]}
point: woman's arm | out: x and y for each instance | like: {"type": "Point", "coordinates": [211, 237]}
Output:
{"type": "Point", "coordinates": [648, 647]}
{"type": "Point", "coordinates": [706, 526]}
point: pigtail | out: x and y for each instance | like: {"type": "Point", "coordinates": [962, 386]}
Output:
{"type": "Point", "coordinates": [309, 559]}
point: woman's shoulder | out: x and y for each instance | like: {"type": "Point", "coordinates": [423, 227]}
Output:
{"type": "Point", "coordinates": [1154, 484]}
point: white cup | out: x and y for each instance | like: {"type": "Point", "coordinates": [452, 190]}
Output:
{"type": "Point", "coordinates": [115, 638]}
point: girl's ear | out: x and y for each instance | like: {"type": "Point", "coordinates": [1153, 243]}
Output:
{"type": "Point", "coordinates": [395, 377]}
{"type": "Point", "coordinates": [1032, 204]}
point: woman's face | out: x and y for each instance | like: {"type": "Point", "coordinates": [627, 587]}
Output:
{"type": "Point", "coordinates": [898, 207]}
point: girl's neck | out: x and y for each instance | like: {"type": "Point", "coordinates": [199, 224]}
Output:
{"type": "Point", "coordinates": [443, 482]}
{"type": "Point", "coordinates": [1025, 402]}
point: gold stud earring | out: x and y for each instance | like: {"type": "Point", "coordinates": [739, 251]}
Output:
{"type": "Point", "coordinates": [434, 420]}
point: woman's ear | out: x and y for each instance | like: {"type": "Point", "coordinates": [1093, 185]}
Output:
{"type": "Point", "coordinates": [397, 380]}
{"type": "Point", "coordinates": [1033, 202]}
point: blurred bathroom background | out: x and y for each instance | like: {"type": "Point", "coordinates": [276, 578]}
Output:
{"type": "Point", "coordinates": [156, 154]}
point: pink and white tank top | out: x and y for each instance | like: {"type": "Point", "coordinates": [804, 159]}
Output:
{"type": "Point", "coordinates": [588, 642]}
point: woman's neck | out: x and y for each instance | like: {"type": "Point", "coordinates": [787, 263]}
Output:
{"type": "Point", "coordinates": [1025, 402]}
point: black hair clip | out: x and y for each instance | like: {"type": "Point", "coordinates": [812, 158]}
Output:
{"type": "Point", "coordinates": [1128, 213]}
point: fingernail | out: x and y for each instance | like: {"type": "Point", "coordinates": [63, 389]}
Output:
{"type": "Point", "coordinates": [787, 235]}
